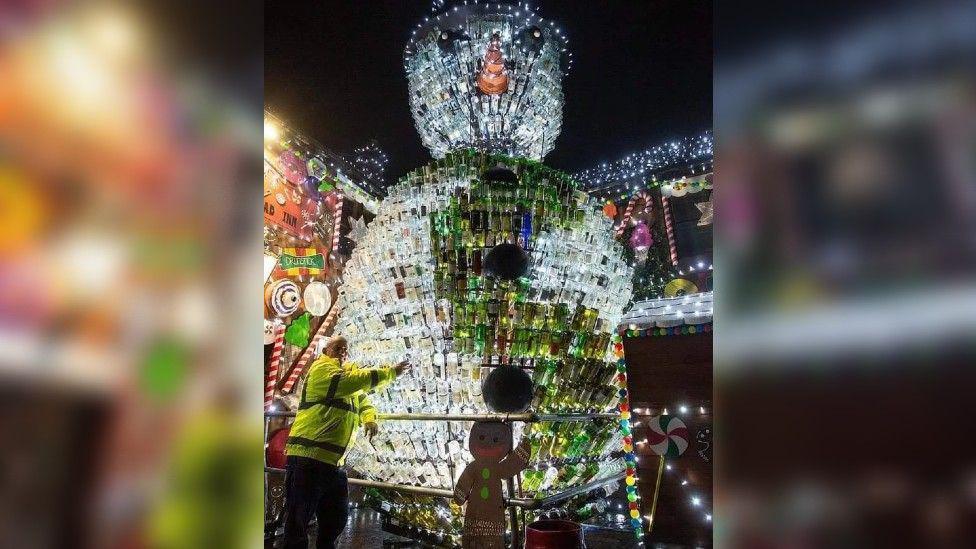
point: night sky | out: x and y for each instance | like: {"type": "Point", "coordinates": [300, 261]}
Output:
{"type": "Point", "coordinates": [642, 75]}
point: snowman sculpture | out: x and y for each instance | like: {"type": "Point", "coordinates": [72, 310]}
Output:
{"type": "Point", "coordinates": [493, 274]}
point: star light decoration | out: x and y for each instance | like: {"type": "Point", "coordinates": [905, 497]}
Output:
{"type": "Point", "coordinates": [706, 213]}
{"type": "Point", "coordinates": [445, 56]}
{"type": "Point", "coordinates": [357, 229]}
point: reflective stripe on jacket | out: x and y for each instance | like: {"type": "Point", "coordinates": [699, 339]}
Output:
{"type": "Point", "coordinates": [333, 405]}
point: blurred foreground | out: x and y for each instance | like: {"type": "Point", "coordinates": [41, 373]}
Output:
{"type": "Point", "coordinates": [129, 165]}
{"type": "Point", "coordinates": [845, 293]}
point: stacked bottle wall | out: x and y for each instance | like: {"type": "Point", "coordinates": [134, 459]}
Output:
{"type": "Point", "coordinates": [417, 286]}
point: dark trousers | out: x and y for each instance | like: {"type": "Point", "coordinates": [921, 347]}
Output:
{"type": "Point", "coordinates": [319, 488]}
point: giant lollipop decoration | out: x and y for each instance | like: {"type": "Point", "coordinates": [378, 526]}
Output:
{"type": "Point", "coordinates": [283, 297]}
{"type": "Point", "coordinates": [667, 436]}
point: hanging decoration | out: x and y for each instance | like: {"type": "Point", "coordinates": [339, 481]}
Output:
{"type": "Point", "coordinates": [299, 331]}
{"type": "Point", "coordinates": [610, 209]}
{"type": "Point", "coordinates": [706, 213]}
{"type": "Point", "coordinates": [679, 287]}
{"type": "Point", "coordinates": [292, 167]}
{"type": "Point", "coordinates": [294, 262]}
{"type": "Point", "coordinates": [317, 298]}
{"type": "Point", "coordinates": [316, 168]}
{"type": "Point", "coordinates": [640, 241]}
{"type": "Point", "coordinates": [630, 457]}
{"type": "Point", "coordinates": [310, 186]}
{"type": "Point", "coordinates": [283, 297]}
{"type": "Point", "coordinates": [357, 229]}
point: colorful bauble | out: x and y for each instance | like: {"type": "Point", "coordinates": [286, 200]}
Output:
{"type": "Point", "coordinates": [292, 167]}
{"type": "Point", "coordinates": [641, 239]}
{"type": "Point", "coordinates": [316, 168]}
{"type": "Point", "coordinates": [667, 436]}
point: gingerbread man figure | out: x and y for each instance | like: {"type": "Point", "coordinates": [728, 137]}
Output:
{"type": "Point", "coordinates": [480, 484]}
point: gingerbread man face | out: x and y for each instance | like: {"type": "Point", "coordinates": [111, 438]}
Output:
{"type": "Point", "coordinates": [490, 440]}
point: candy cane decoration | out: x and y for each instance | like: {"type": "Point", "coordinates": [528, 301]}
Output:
{"type": "Point", "coordinates": [625, 222]}
{"type": "Point", "coordinates": [272, 376]}
{"type": "Point", "coordinates": [669, 228]}
{"type": "Point", "coordinates": [303, 360]}
{"type": "Point", "coordinates": [337, 225]}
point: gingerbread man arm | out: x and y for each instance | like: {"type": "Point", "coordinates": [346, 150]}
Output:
{"type": "Point", "coordinates": [463, 486]}
{"type": "Point", "coordinates": [516, 461]}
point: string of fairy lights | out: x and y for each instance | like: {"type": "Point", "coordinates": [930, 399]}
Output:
{"type": "Point", "coordinates": [695, 497]}
{"type": "Point", "coordinates": [371, 161]}
{"type": "Point", "coordinates": [365, 188]}
{"type": "Point", "coordinates": [634, 172]}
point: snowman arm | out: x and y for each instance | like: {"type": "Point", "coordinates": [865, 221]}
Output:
{"type": "Point", "coordinates": [516, 461]}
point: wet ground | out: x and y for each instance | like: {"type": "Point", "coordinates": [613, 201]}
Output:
{"type": "Point", "coordinates": [364, 531]}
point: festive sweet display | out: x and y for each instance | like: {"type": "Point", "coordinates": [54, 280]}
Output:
{"type": "Point", "coordinates": [284, 297]}
{"type": "Point", "coordinates": [667, 436]}
{"type": "Point", "coordinates": [487, 76]}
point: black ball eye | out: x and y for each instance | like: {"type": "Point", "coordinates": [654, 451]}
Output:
{"type": "Point", "coordinates": [482, 437]}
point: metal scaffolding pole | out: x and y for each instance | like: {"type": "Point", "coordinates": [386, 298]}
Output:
{"type": "Point", "coordinates": [527, 418]}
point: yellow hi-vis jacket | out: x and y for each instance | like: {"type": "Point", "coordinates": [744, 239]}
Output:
{"type": "Point", "coordinates": [332, 406]}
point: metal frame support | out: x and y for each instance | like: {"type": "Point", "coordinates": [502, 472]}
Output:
{"type": "Point", "coordinates": [524, 503]}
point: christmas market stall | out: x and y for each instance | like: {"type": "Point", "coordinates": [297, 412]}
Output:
{"type": "Point", "coordinates": [316, 204]}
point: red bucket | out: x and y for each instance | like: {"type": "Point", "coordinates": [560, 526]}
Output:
{"type": "Point", "coordinates": [275, 453]}
{"type": "Point", "coordinates": [554, 534]}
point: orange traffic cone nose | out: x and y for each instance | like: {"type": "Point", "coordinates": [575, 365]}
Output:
{"type": "Point", "coordinates": [493, 78]}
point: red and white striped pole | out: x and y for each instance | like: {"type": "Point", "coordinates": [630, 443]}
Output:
{"type": "Point", "coordinates": [669, 230]}
{"type": "Point", "coordinates": [271, 378]}
{"type": "Point", "coordinates": [303, 361]}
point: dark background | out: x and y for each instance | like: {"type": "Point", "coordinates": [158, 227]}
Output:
{"type": "Point", "coordinates": [643, 74]}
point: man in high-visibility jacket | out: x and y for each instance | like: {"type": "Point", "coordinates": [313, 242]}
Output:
{"type": "Point", "coordinates": [333, 405]}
